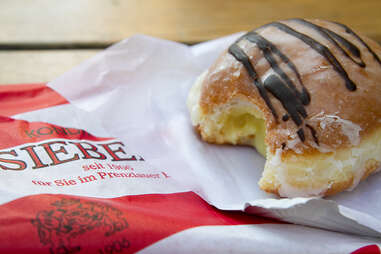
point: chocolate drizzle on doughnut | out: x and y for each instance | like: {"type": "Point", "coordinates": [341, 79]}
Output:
{"type": "Point", "coordinates": [337, 40]}
{"type": "Point", "coordinates": [285, 117]}
{"type": "Point", "coordinates": [313, 133]}
{"type": "Point", "coordinates": [291, 103]}
{"type": "Point", "coordinates": [319, 48]}
{"type": "Point", "coordinates": [268, 50]}
{"type": "Point", "coordinates": [241, 56]}
{"type": "Point", "coordinates": [350, 31]}
{"type": "Point", "coordinates": [280, 84]}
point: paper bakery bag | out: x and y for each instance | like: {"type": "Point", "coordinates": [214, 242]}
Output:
{"type": "Point", "coordinates": [106, 161]}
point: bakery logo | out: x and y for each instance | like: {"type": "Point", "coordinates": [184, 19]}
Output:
{"type": "Point", "coordinates": [54, 130]}
{"type": "Point", "coordinates": [69, 218]}
{"type": "Point", "coordinates": [57, 152]}
{"type": "Point", "coordinates": [38, 145]}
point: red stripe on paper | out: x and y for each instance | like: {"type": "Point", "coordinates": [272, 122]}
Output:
{"type": "Point", "coordinates": [50, 223]}
{"type": "Point", "coordinates": [15, 99]}
{"type": "Point", "coordinates": [15, 132]}
{"type": "Point", "coordinates": [370, 249]}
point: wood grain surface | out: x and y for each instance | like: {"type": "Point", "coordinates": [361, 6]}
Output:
{"type": "Point", "coordinates": [38, 66]}
{"type": "Point", "coordinates": [101, 22]}
{"type": "Point", "coordinates": [95, 24]}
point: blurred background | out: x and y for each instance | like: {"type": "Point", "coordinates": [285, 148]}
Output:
{"type": "Point", "coordinates": [41, 39]}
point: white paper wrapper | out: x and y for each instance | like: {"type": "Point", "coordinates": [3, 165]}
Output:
{"type": "Point", "coordinates": [136, 91]}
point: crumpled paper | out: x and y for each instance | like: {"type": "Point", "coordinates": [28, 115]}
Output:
{"type": "Point", "coordinates": [137, 89]}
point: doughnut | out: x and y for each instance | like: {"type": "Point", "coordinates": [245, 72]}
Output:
{"type": "Point", "coordinates": [307, 95]}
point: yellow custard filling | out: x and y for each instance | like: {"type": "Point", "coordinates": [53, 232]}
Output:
{"type": "Point", "coordinates": [240, 126]}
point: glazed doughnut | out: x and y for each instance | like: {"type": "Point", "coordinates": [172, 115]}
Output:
{"type": "Point", "coordinates": [307, 95]}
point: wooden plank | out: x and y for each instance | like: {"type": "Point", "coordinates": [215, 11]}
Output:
{"type": "Point", "coordinates": [38, 66]}
{"type": "Point", "coordinates": [96, 23]}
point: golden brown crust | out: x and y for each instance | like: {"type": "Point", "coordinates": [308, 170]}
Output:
{"type": "Point", "coordinates": [371, 166]}
{"type": "Point", "coordinates": [358, 111]}
{"type": "Point", "coordinates": [315, 147]}
{"type": "Point", "coordinates": [335, 187]}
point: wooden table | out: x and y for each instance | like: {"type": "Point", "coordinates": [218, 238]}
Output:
{"type": "Point", "coordinates": [41, 39]}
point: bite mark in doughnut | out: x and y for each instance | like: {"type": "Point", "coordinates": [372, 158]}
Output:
{"type": "Point", "coordinates": [307, 95]}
